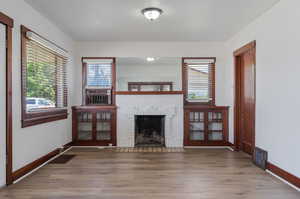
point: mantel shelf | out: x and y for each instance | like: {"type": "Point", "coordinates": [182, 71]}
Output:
{"type": "Point", "coordinates": [149, 93]}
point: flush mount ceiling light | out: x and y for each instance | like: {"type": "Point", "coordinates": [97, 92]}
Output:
{"type": "Point", "coordinates": [152, 13]}
{"type": "Point", "coordinates": [150, 59]}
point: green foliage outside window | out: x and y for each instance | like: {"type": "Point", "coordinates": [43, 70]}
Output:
{"type": "Point", "coordinates": [41, 81]}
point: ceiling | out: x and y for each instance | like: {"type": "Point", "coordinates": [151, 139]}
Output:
{"type": "Point", "coordinates": [121, 20]}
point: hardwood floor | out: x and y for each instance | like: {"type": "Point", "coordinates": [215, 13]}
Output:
{"type": "Point", "coordinates": [194, 174]}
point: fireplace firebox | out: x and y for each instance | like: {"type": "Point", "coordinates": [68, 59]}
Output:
{"type": "Point", "coordinates": [149, 130]}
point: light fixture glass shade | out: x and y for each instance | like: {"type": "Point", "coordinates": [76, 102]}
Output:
{"type": "Point", "coordinates": [150, 59]}
{"type": "Point", "coordinates": [152, 13]}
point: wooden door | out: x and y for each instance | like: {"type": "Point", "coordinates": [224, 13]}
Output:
{"type": "Point", "coordinates": [2, 104]}
{"type": "Point", "coordinates": [245, 103]}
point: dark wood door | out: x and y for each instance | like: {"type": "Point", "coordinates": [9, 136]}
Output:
{"type": "Point", "coordinates": [246, 68]}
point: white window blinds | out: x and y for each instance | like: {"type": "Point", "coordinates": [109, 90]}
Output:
{"type": "Point", "coordinates": [200, 80]}
{"type": "Point", "coordinates": [45, 78]}
{"type": "Point", "coordinates": [99, 73]}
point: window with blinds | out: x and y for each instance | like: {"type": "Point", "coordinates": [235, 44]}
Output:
{"type": "Point", "coordinates": [200, 80]}
{"type": "Point", "coordinates": [44, 78]}
{"type": "Point", "coordinates": [98, 81]}
{"type": "Point", "coordinates": [99, 74]}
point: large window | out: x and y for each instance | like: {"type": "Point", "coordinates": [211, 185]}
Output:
{"type": "Point", "coordinates": [199, 80]}
{"type": "Point", "coordinates": [98, 81]}
{"type": "Point", "coordinates": [44, 82]}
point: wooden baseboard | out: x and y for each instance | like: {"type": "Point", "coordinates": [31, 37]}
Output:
{"type": "Point", "coordinates": [284, 174]}
{"type": "Point", "coordinates": [68, 145]}
{"type": "Point", "coordinates": [29, 167]}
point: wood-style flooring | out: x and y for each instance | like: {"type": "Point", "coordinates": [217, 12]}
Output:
{"type": "Point", "coordinates": [195, 174]}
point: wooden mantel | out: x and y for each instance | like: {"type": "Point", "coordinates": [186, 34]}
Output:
{"type": "Point", "coordinates": [149, 93]}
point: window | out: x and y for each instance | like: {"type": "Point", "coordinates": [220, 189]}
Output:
{"type": "Point", "coordinates": [150, 86]}
{"type": "Point", "coordinates": [44, 82]}
{"type": "Point", "coordinates": [98, 81]}
{"type": "Point", "coordinates": [199, 80]}
{"type": "Point", "coordinates": [99, 75]}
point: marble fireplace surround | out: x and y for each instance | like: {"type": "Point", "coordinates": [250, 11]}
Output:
{"type": "Point", "coordinates": [171, 106]}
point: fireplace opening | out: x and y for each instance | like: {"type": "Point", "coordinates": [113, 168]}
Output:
{"type": "Point", "coordinates": [149, 130]}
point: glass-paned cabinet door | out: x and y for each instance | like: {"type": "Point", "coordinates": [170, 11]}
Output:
{"type": "Point", "coordinates": [215, 126]}
{"type": "Point", "coordinates": [215, 116]}
{"type": "Point", "coordinates": [197, 126]}
{"type": "Point", "coordinates": [103, 126]}
{"type": "Point", "coordinates": [85, 126]}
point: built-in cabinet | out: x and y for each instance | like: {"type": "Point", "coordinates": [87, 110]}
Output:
{"type": "Point", "coordinates": [94, 125]}
{"type": "Point", "coordinates": [206, 126]}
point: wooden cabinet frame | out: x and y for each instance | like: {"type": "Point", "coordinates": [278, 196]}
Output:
{"type": "Point", "coordinates": [94, 110]}
{"type": "Point", "coordinates": [206, 110]}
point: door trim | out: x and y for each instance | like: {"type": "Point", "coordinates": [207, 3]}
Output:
{"type": "Point", "coordinates": [9, 23]}
{"type": "Point", "coordinates": [237, 92]}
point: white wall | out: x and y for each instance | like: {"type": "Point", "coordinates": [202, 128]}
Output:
{"type": "Point", "coordinates": [148, 73]}
{"type": "Point", "coordinates": [2, 104]}
{"type": "Point", "coordinates": [31, 143]}
{"type": "Point", "coordinates": [277, 81]}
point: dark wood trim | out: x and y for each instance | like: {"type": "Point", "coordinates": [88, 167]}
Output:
{"type": "Point", "coordinates": [82, 58]}
{"type": "Point", "coordinates": [93, 108]}
{"type": "Point", "coordinates": [29, 167]}
{"type": "Point", "coordinates": [206, 108]}
{"type": "Point", "coordinates": [215, 143]}
{"type": "Point", "coordinates": [237, 92]}
{"type": "Point", "coordinates": [84, 81]}
{"type": "Point", "coordinates": [185, 82]}
{"type": "Point", "coordinates": [68, 145]}
{"type": "Point", "coordinates": [50, 116]}
{"type": "Point", "coordinates": [245, 48]}
{"type": "Point", "coordinates": [149, 92]}
{"type": "Point", "coordinates": [114, 79]}
{"type": "Point", "coordinates": [31, 119]}
{"type": "Point", "coordinates": [6, 20]}
{"type": "Point", "coordinates": [284, 174]}
{"type": "Point", "coordinates": [9, 23]}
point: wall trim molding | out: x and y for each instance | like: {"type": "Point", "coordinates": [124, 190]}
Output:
{"type": "Point", "coordinates": [33, 165]}
{"type": "Point", "coordinates": [294, 180]}
{"type": "Point", "coordinates": [6, 20]}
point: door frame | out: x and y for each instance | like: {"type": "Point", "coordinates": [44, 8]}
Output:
{"type": "Point", "coordinates": [237, 92]}
{"type": "Point", "coordinates": [9, 23]}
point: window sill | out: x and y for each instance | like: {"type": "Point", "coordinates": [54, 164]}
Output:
{"type": "Point", "coordinates": [32, 119]}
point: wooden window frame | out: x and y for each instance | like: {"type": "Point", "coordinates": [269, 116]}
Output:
{"type": "Point", "coordinates": [185, 83]}
{"type": "Point", "coordinates": [31, 119]}
{"type": "Point", "coordinates": [113, 80]}
{"type": "Point", "coordinates": [9, 24]}
{"type": "Point", "coordinates": [139, 84]}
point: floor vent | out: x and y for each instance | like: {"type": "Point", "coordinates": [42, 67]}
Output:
{"type": "Point", "coordinates": [260, 158]}
{"type": "Point", "coordinates": [63, 159]}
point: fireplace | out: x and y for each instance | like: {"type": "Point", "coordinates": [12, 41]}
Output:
{"type": "Point", "coordinates": [149, 130]}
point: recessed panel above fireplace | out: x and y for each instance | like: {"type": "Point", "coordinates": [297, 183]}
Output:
{"type": "Point", "coordinates": [149, 130]}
